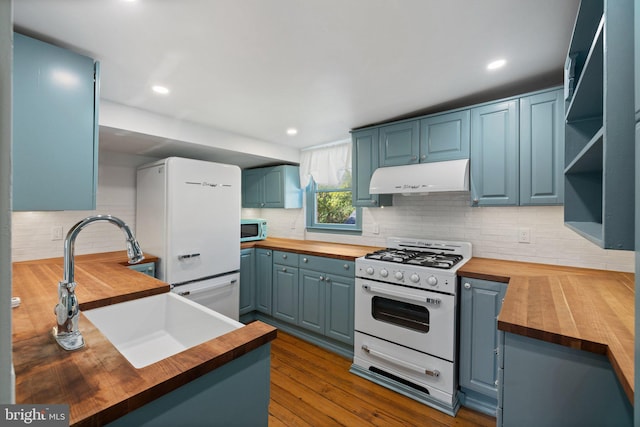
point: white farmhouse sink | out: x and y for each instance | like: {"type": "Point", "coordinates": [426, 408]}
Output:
{"type": "Point", "coordinates": [150, 329]}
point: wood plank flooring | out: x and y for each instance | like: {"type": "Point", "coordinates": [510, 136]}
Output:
{"type": "Point", "coordinates": [313, 387]}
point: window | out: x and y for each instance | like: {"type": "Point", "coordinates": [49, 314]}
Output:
{"type": "Point", "coordinates": [330, 208]}
{"type": "Point", "coordinates": [327, 170]}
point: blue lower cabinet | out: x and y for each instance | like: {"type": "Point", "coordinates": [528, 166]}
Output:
{"type": "Point", "coordinates": [247, 281]}
{"type": "Point", "coordinates": [547, 384]}
{"type": "Point", "coordinates": [326, 304]}
{"type": "Point", "coordinates": [480, 304]}
{"type": "Point", "coordinates": [339, 308]}
{"type": "Point", "coordinates": [148, 268]}
{"type": "Point", "coordinates": [264, 280]}
{"type": "Point", "coordinates": [285, 293]}
{"type": "Point", "coordinates": [216, 399]}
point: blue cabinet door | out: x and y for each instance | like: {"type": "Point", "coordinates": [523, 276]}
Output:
{"type": "Point", "coordinates": [399, 143]}
{"type": "Point", "coordinates": [272, 187]}
{"type": "Point", "coordinates": [252, 188]}
{"type": "Point", "coordinates": [55, 139]}
{"type": "Point", "coordinates": [365, 155]}
{"type": "Point", "coordinates": [247, 281]}
{"type": "Point", "coordinates": [312, 301]}
{"type": "Point", "coordinates": [285, 293]}
{"type": "Point", "coordinates": [542, 149]}
{"type": "Point", "coordinates": [494, 154]}
{"type": "Point", "coordinates": [445, 137]}
{"type": "Point", "coordinates": [339, 307]}
{"type": "Point", "coordinates": [480, 304]}
{"type": "Point", "coordinates": [264, 280]}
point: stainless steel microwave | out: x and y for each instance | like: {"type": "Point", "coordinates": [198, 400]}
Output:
{"type": "Point", "coordinates": [253, 229]}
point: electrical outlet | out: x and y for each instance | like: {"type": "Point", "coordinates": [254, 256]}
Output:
{"type": "Point", "coordinates": [524, 235]}
{"type": "Point", "coordinates": [376, 228]}
{"type": "Point", "coordinates": [56, 232]}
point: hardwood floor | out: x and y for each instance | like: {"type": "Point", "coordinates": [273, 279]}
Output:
{"type": "Point", "coordinates": [313, 387]}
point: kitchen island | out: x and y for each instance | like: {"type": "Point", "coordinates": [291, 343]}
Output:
{"type": "Point", "coordinates": [97, 382]}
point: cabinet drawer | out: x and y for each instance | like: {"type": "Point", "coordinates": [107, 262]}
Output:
{"type": "Point", "coordinates": [328, 265]}
{"type": "Point", "coordinates": [285, 258]}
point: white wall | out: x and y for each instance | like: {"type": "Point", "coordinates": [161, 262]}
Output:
{"type": "Point", "coordinates": [448, 216]}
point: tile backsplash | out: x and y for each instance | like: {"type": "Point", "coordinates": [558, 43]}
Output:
{"type": "Point", "coordinates": [493, 232]}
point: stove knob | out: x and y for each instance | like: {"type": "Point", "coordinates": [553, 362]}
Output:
{"type": "Point", "coordinates": [384, 272]}
{"type": "Point", "coordinates": [415, 278]}
{"type": "Point", "coordinates": [399, 275]}
{"type": "Point", "coordinates": [432, 280]}
{"type": "Point", "coordinates": [369, 270]}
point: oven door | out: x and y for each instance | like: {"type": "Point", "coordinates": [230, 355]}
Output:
{"type": "Point", "coordinates": [414, 318]}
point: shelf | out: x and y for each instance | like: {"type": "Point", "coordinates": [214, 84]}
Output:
{"type": "Point", "coordinates": [588, 95]}
{"type": "Point", "coordinates": [590, 158]}
{"type": "Point", "coordinates": [584, 30]}
{"type": "Point", "coordinates": [591, 231]}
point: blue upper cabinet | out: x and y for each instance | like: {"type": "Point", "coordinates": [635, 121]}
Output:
{"type": "Point", "coordinates": [542, 149]}
{"type": "Point", "coordinates": [494, 154]}
{"type": "Point", "coordinates": [599, 125]}
{"type": "Point", "coordinates": [55, 123]}
{"type": "Point", "coordinates": [399, 143]}
{"type": "Point", "coordinates": [445, 137]}
{"type": "Point", "coordinates": [365, 160]}
{"type": "Point", "coordinates": [272, 187]}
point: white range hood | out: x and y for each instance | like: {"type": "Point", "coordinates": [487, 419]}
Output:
{"type": "Point", "coordinates": [421, 178]}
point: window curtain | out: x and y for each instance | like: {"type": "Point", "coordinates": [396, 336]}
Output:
{"type": "Point", "coordinates": [327, 164]}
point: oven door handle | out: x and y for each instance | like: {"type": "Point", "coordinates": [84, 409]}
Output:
{"type": "Point", "coordinates": [401, 363]}
{"type": "Point", "coordinates": [410, 297]}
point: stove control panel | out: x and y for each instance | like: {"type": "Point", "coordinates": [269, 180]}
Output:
{"type": "Point", "coordinates": [417, 277]}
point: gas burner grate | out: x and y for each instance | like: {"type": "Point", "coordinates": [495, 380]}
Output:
{"type": "Point", "coordinates": [419, 258]}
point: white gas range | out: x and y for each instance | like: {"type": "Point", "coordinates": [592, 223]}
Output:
{"type": "Point", "coordinates": [406, 318]}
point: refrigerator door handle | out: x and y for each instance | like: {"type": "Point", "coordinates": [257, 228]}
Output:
{"type": "Point", "coordinates": [207, 288]}
{"type": "Point", "coordinates": [187, 256]}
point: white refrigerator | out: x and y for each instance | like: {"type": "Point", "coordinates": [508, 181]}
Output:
{"type": "Point", "coordinates": [188, 214]}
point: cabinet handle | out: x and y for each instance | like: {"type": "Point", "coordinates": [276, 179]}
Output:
{"type": "Point", "coordinates": [322, 278]}
{"type": "Point", "coordinates": [284, 256]}
{"type": "Point", "coordinates": [305, 260]}
{"type": "Point", "coordinates": [496, 383]}
{"type": "Point", "coordinates": [346, 266]}
{"type": "Point", "coordinates": [467, 285]}
{"type": "Point", "coordinates": [327, 279]}
{"type": "Point", "coordinates": [423, 157]}
{"type": "Point", "coordinates": [284, 269]}
{"type": "Point", "coordinates": [268, 253]}
{"type": "Point", "coordinates": [414, 157]}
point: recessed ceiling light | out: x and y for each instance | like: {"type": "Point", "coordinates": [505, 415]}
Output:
{"type": "Point", "coordinates": [496, 64]}
{"type": "Point", "coordinates": [292, 131]}
{"type": "Point", "coordinates": [160, 89]}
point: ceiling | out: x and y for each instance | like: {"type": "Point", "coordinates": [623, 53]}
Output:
{"type": "Point", "coordinates": [258, 67]}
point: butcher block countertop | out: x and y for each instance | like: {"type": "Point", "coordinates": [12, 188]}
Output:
{"type": "Point", "coordinates": [96, 381]}
{"type": "Point", "coordinates": [313, 247]}
{"type": "Point", "coordinates": [591, 310]}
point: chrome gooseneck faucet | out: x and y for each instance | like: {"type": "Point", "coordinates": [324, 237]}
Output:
{"type": "Point", "coordinates": [67, 313]}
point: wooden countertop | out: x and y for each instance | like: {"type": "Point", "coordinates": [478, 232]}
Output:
{"type": "Point", "coordinates": [313, 247]}
{"type": "Point", "coordinates": [96, 381]}
{"type": "Point", "coordinates": [585, 309]}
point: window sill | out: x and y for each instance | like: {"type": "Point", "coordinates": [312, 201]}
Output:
{"type": "Point", "coordinates": [335, 230]}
